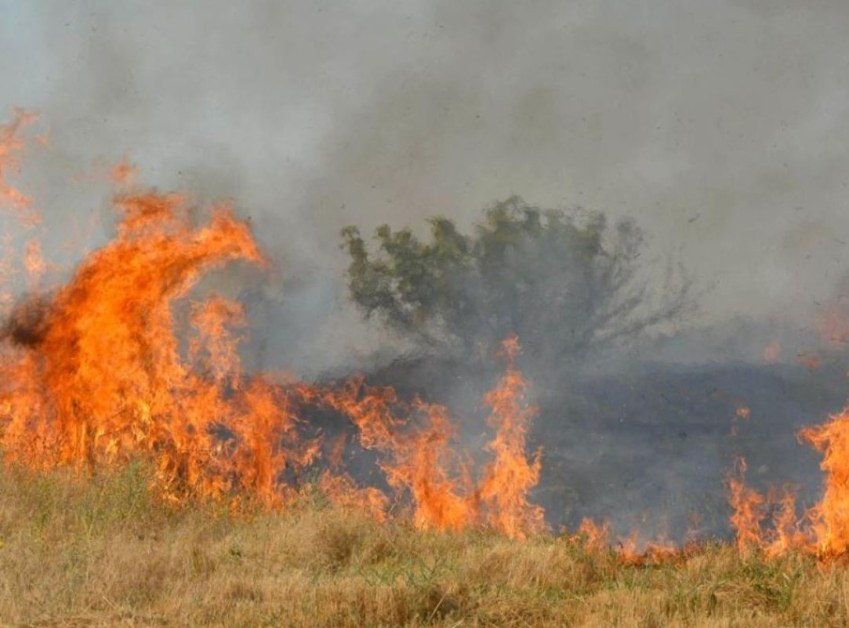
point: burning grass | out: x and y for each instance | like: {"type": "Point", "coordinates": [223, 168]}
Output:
{"type": "Point", "coordinates": [147, 478]}
{"type": "Point", "coordinates": [94, 374]}
{"type": "Point", "coordinates": [104, 550]}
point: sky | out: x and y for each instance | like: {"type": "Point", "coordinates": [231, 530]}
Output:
{"type": "Point", "coordinates": [719, 126]}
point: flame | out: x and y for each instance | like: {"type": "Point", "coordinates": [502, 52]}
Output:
{"type": "Point", "coordinates": [787, 533]}
{"type": "Point", "coordinates": [124, 173]}
{"type": "Point", "coordinates": [772, 352]}
{"type": "Point", "coordinates": [94, 374]}
{"type": "Point", "coordinates": [632, 552]}
{"type": "Point", "coordinates": [748, 510]}
{"type": "Point", "coordinates": [421, 459]}
{"type": "Point", "coordinates": [508, 479]}
{"type": "Point", "coordinates": [424, 463]}
{"type": "Point", "coordinates": [594, 536]}
{"type": "Point", "coordinates": [751, 509]}
{"type": "Point", "coordinates": [744, 413]}
{"type": "Point", "coordinates": [597, 537]}
{"type": "Point", "coordinates": [343, 491]}
{"type": "Point", "coordinates": [103, 370]}
{"type": "Point", "coordinates": [11, 145]}
{"type": "Point", "coordinates": [830, 517]}
{"type": "Point", "coordinates": [102, 379]}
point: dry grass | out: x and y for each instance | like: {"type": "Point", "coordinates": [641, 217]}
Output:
{"type": "Point", "coordinates": [103, 552]}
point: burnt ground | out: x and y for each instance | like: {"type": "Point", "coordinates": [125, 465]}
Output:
{"type": "Point", "coordinates": [649, 448]}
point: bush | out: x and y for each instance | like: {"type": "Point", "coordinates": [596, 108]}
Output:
{"type": "Point", "coordinates": [565, 282]}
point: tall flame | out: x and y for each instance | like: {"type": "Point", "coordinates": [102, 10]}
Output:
{"type": "Point", "coordinates": [748, 510]}
{"type": "Point", "coordinates": [95, 374]}
{"type": "Point", "coordinates": [830, 517]}
{"type": "Point", "coordinates": [423, 462]}
{"type": "Point", "coordinates": [507, 480]}
{"type": "Point", "coordinates": [421, 458]}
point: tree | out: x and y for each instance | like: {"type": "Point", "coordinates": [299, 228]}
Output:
{"type": "Point", "coordinates": [565, 282]}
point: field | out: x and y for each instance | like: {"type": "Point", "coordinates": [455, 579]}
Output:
{"type": "Point", "coordinates": [103, 551]}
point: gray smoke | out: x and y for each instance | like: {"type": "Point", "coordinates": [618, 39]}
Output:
{"type": "Point", "coordinates": [718, 126]}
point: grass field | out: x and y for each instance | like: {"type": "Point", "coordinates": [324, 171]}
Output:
{"type": "Point", "coordinates": [103, 551]}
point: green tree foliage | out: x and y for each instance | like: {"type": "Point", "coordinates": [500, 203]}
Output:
{"type": "Point", "coordinates": [565, 282]}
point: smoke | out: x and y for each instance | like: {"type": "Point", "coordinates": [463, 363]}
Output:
{"type": "Point", "coordinates": [717, 126]}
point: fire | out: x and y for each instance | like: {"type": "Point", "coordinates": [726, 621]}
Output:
{"type": "Point", "coordinates": [598, 537]}
{"type": "Point", "coordinates": [511, 475]}
{"type": "Point", "coordinates": [787, 533]}
{"type": "Point", "coordinates": [751, 509]}
{"type": "Point", "coordinates": [424, 463]}
{"type": "Point", "coordinates": [830, 517]}
{"type": "Point", "coordinates": [11, 145]}
{"type": "Point", "coordinates": [421, 459]}
{"type": "Point", "coordinates": [124, 173]}
{"type": "Point", "coordinates": [744, 413]}
{"type": "Point", "coordinates": [100, 375]}
{"type": "Point", "coordinates": [824, 528]}
{"type": "Point", "coordinates": [772, 352]}
{"type": "Point", "coordinates": [748, 510]}
{"type": "Point", "coordinates": [34, 263]}
{"type": "Point", "coordinates": [126, 361]}
{"type": "Point", "coordinates": [100, 371]}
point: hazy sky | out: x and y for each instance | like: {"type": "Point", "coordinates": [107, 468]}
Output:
{"type": "Point", "coordinates": [721, 126]}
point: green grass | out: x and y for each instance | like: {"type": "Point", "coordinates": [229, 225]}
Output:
{"type": "Point", "coordinates": [103, 551]}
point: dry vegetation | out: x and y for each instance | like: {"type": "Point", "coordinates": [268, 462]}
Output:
{"type": "Point", "coordinates": [102, 551]}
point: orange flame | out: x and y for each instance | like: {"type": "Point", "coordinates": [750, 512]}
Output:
{"type": "Point", "coordinates": [748, 510]}
{"type": "Point", "coordinates": [101, 378]}
{"type": "Point", "coordinates": [830, 517]}
{"type": "Point", "coordinates": [11, 145]}
{"type": "Point", "coordinates": [772, 352]}
{"type": "Point", "coordinates": [787, 533]}
{"type": "Point", "coordinates": [424, 463]}
{"type": "Point", "coordinates": [595, 536]}
{"type": "Point", "coordinates": [94, 374]}
{"type": "Point", "coordinates": [124, 173]}
{"type": "Point", "coordinates": [507, 480]}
